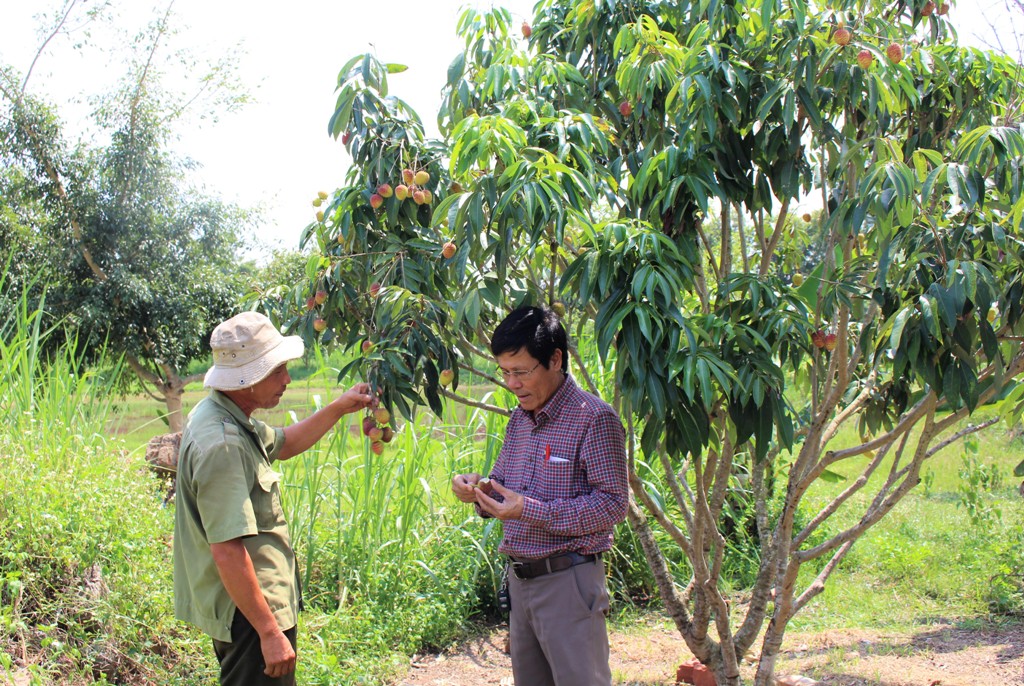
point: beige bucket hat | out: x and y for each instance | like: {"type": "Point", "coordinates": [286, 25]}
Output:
{"type": "Point", "coordinates": [246, 348]}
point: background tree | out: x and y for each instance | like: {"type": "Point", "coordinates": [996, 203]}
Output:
{"type": "Point", "coordinates": [131, 255]}
{"type": "Point", "coordinates": [581, 167]}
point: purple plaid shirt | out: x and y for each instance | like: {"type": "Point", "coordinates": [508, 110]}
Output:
{"type": "Point", "coordinates": [568, 460]}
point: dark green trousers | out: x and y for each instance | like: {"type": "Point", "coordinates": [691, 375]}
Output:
{"type": "Point", "coordinates": [241, 660]}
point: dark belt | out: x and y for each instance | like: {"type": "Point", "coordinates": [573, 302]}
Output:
{"type": "Point", "coordinates": [528, 569]}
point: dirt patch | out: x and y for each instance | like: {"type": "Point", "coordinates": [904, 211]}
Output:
{"type": "Point", "coordinates": [648, 654]}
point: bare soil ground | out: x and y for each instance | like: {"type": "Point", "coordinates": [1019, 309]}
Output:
{"type": "Point", "coordinates": [647, 655]}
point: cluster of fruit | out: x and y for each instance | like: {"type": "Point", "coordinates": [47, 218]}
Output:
{"type": "Point", "coordinates": [411, 187]}
{"type": "Point", "coordinates": [375, 427]}
{"type": "Point", "coordinates": [842, 37]}
{"type": "Point", "coordinates": [319, 298]}
{"type": "Point", "coordinates": [824, 340]}
{"type": "Point", "coordinates": [317, 202]}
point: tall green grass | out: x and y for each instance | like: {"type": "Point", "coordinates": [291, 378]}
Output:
{"type": "Point", "coordinates": [84, 570]}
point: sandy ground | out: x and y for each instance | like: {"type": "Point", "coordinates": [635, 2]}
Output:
{"type": "Point", "coordinates": [935, 655]}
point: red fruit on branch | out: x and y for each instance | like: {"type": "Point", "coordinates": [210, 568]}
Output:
{"type": "Point", "coordinates": [376, 201]}
{"type": "Point", "coordinates": [842, 36]}
{"type": "Point", "coordinates": [928, 8]}
{"type": "Point", "coordinates": [384, 190]}
{"type": "Point", "coordinates": [319, 324]}
{"type": "Point", "coordinates": [527, 30]}
{"type": "Point", "coordinates": [895, 53]}
{"type": "Point", "coordinates": [830, 341]}
{"type": "Point", "coordinates": [448, 250]}
{"type": "Point", "coordinates": [865, 59]}
{"type": "Point", "coordinates": [818, 339]}
{"type": "Point", "coordinates": [446, 377]}
{"type": "Point", "coordinates": [625, 109]}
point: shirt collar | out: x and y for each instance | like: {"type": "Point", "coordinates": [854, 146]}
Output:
{"type": "Point", "coordinates": [233, 409]}
{"type": "Point", "coordinates": [556, 402]}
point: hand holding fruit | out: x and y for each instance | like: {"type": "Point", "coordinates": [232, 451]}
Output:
{"type": "Point", "coordinates": [511, 507]}
{"type": "Point", "coordinates": [356, 398]}
{"type": "Point", "coordinates": [464, 487]}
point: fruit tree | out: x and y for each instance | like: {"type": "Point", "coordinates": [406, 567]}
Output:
{"type": "Point", "coordinates": [660, 171]}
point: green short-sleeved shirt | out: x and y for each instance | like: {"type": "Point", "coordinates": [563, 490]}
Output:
{"type": "Point", "coordinates": [227, 489]}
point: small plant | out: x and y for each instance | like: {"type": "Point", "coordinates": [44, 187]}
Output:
{"type": "Point", "coordinates": [978, 482]}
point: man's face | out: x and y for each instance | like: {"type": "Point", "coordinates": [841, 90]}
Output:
{"type": "Point", "coordinates": [267, 393]}
{"type": "Point", "coordinates": [532, 383]}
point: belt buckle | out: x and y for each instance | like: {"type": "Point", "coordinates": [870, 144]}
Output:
{"type": "Point", "coordinates": [516, 566]}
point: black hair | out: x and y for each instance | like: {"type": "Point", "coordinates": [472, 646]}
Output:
{"type": "Point", "coordinates": [537, 329]}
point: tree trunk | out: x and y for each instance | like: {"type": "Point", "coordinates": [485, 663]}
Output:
{"type": "Point", "coordinates": [172, 398]}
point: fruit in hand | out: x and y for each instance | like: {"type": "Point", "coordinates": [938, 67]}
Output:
{"type": "Point", "coordinates": [484, 485]}
{"type": "Point", "coordinates": [446, 377]}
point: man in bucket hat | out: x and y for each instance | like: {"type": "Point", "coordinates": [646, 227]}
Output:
{"type": "Point", "coordinates": [235, 575]}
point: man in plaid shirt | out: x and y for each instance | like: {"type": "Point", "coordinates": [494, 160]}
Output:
{"type": "Point", "coordinates": [559, 486]}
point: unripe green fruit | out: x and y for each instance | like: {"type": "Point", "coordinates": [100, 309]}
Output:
{"type": "Point", "coordinates": [421, 178]}
{"type": "Point", "coordinates": [446, 377]}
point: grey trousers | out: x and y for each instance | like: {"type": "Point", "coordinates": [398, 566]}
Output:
{"type": "Point", "coordinates": [557, 630]}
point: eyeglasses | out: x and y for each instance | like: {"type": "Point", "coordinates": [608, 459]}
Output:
{"type": "Point", "coordinates": [517, 374]}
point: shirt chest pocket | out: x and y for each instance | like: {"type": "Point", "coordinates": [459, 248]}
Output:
{"type": "Point", "coordinates": [266, 501]}
{"type": "Point", "coordinates": [558, 479]}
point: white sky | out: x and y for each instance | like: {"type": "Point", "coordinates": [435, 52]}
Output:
{"type": "Point", "coordinates": [276, 151]}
